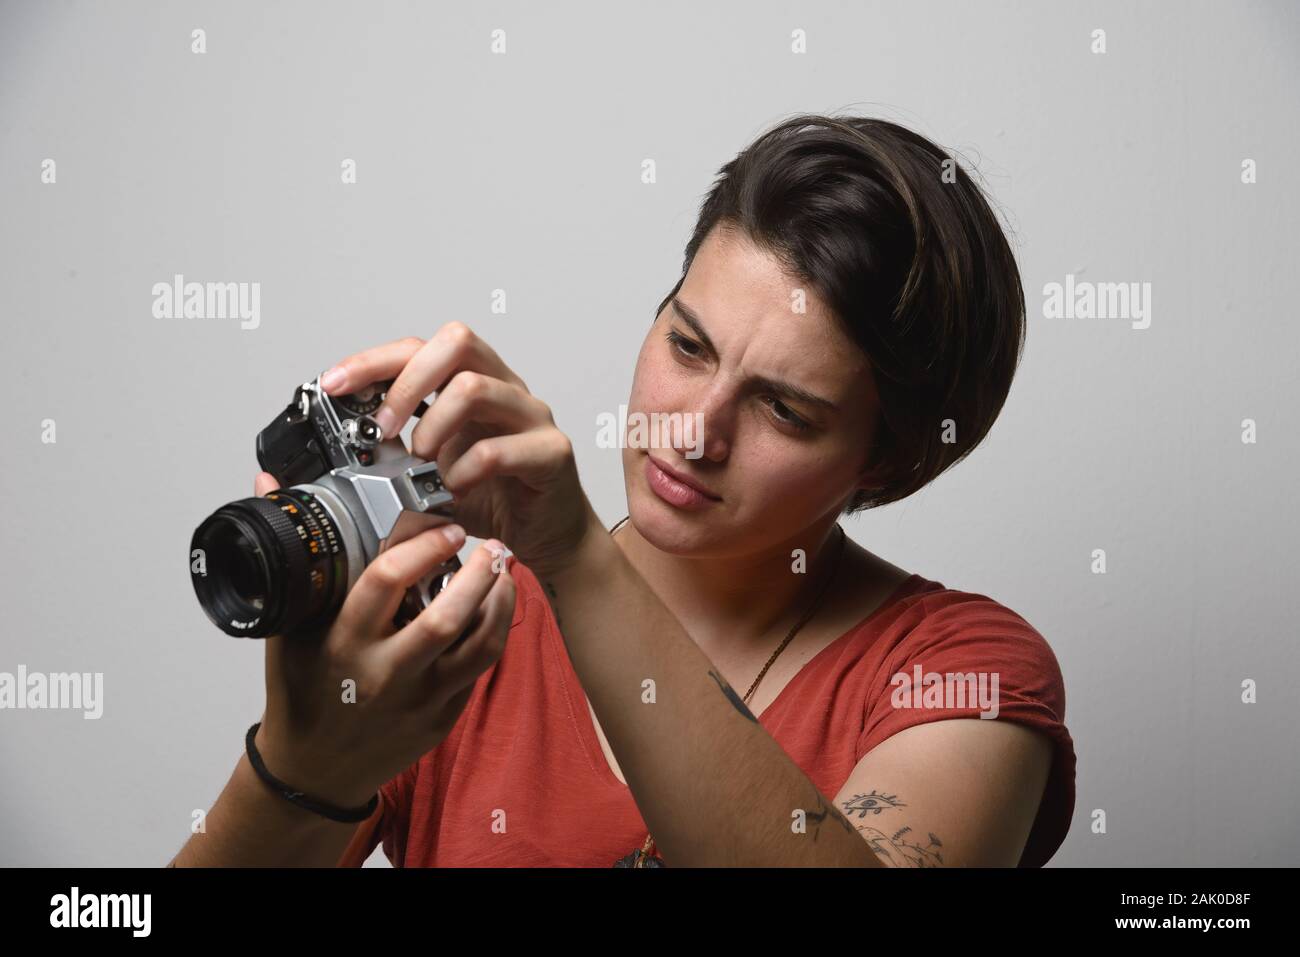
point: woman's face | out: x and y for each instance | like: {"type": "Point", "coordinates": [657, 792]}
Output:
{"type": "Point", "coordinates": [729, 347]}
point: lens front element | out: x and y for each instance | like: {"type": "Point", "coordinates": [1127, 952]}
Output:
{"type": "Point", "coordinates": [267, 566]}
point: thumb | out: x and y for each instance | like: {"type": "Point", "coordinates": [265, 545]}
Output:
{"type": "Point", "coordinates": [263, 483]}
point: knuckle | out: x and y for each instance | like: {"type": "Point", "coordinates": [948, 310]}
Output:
{"type": "Point", "coordinates": [434, 622]}
{"type": "Point", "coordinates": [403, 392]}
{"type": "Point", "coordinates": [459, 335]}
{"type": "Point", "coordinates": [385, 571]}
{"type": "Point", "coordinates": [470, 385]}
{"type": "Point", "coordinates": [487, 453]}
{"type": "Point", "coordinates": [562, 444]}
{"type": "Point", "coordinates": [420, 447]}
{"type": "Point", "coordinates": [545, 411]}
{"type": "Point", "coordinates": [413, 343]}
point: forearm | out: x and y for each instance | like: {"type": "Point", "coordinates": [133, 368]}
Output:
{"type": "Point", "coordinates": [713, 786]}
{"type": "Point", "coordinates": [249, 826]}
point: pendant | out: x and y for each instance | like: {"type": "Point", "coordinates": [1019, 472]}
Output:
{"type": "Point", "coordinates": [630, 861]}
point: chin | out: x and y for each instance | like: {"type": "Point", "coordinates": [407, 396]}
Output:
{"type": "Point", "coordinates": [667, 528]}
{"type": "Point", "coordinates": [676, 535]}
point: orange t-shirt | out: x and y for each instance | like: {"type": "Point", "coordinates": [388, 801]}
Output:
{"type": "Point", "coordinates": [525, 751]}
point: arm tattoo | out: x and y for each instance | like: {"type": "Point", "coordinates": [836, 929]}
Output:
{"type": "Point", "coordinates": [822, 812]}
{"type": "Point", "coordinates": [872, 803]}
{"type": "Point", "coordinates": [733, 697]}
{"type": "Point", "coordinates": [902, 848]}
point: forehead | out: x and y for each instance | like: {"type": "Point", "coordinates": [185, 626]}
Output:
{"type": "Point", "coordinates": [748, 303]}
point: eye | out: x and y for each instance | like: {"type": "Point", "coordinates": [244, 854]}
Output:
{"type": "Point", "coordinates": [786, 417]}
{"type": "Point", "coordinates": [689, 349]}
{"type": "Point", "coordinates": [680, 343]}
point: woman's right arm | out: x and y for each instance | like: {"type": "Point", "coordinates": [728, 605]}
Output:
{"type": "Point", "coordinates": [250, 826]}
{"type": "Point", "coordinates": [410, 687]}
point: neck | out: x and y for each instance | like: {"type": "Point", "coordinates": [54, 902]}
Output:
{"type": "Point", "coordinates": [738, 602]}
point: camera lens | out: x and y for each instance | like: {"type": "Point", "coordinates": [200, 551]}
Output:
{"type": "Point", "coordinates": [269, 565]}
{"type": "Point", "coordinates": [249, 579]}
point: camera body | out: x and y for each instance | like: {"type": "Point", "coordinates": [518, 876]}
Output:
{"type": "Point", "coordinates": [284, 562]}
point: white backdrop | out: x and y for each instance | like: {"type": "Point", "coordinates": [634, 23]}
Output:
{"type": "Point", "coordinates": [521, 171]}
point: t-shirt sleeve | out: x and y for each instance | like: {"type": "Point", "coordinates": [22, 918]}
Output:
{"type": "Point", "coordinates": [960, 633]}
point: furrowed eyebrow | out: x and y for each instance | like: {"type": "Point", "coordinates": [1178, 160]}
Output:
{"type": "Point", "coordinates": [785, 389]}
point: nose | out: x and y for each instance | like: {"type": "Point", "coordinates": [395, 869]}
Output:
{"type": "Point", "coordinates": [707, 425]}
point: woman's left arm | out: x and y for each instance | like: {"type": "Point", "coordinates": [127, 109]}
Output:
{"type": "Point", "coordinates": [716, 789]}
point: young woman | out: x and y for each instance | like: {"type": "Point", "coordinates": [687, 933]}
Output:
{"type": "Point", "coordinates": [727, 678]}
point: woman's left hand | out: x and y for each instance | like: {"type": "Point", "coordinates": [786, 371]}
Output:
{"type": "Point", "coordinates": [510, 469]}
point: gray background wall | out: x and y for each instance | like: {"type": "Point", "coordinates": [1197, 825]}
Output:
{"type": "Point", "coordinates": [521, 171]}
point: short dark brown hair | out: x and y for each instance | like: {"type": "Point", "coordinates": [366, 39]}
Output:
{"type": "Point", "coordinates": [913, 262]}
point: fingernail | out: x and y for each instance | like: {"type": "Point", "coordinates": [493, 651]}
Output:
{"type": "Point", "coordinates": [334, 378]}
{"type": "Point", "coordinates": [386, 419]}
{"type": "Point", "coordinates": [455, 534]}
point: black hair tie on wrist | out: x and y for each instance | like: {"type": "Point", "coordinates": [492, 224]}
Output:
{"type": "Point", "coordinates": [323, 808]}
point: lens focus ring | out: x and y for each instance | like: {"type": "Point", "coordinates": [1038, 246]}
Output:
{"type": "Point", "coordinates": [272, 564]}
{"type": "Point", "coordinates": [290, 544]}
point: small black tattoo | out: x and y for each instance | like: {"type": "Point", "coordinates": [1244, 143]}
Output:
{"type": "Point", "coordinates": [734, 698]}
{"type": "Point", "coordinates": [822, 812]}
{"type": "Point", "coordinates": [872, 803]}
{"type": "Point", "coordinates": [897, 849]}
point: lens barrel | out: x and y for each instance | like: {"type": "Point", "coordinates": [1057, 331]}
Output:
{"type": "Point", "coordinates": [269, 565]}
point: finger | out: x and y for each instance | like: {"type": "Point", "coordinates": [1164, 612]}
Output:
{"type": "Point", "coordinates": [415, 646]}
{"type": "Point", "coordinates": [264, 482]}
{"type": "Point", "coordinates": [372, 365]}
{"type": "Point", "coordinates": [453, 348]}
{"type": "Point", "coordinates": [455, 447]}
{"type": "Point", "coordinates": [485, 644]}
{"type": "Point", "coordinates": [534, 457]}
{"type": "Point", "coordinates": [475, 397]}
{"type": "Point", "coordinates": [375, 598]}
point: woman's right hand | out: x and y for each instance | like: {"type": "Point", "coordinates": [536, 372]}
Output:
{"type": "Point", "coordinates": [409, 687]}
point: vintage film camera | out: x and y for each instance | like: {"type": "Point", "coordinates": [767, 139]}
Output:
{"type": "Point", "coordinates": [282, 564]}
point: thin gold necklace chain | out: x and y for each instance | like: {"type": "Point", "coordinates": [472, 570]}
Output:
{"type": "Point", "coordinates": [812, 609]}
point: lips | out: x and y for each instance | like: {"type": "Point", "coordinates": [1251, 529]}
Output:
{"type": "Point", "coordinates": [684, 479]}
